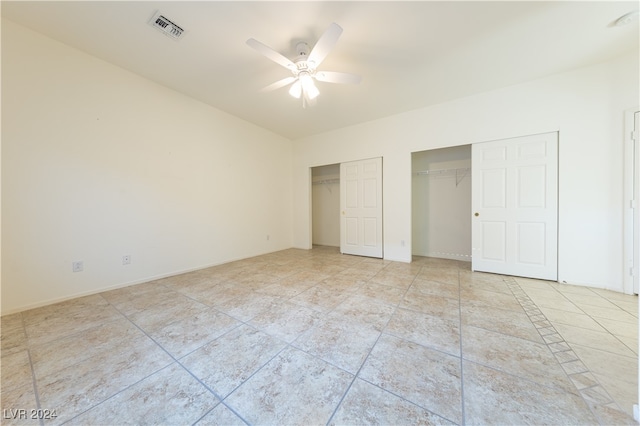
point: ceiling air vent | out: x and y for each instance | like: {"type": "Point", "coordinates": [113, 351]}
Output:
{"type": "Point", "coordinates": [166, 26]}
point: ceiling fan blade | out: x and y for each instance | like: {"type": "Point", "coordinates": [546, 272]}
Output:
{"type": "Point", "coordinates": [324, 45]}
{"type": "Point", "coordinates": [271, 54]}
{"type": "Point", "coordinates": [338, 77]}
{"type": "Point", "coordinates": [278, 84]}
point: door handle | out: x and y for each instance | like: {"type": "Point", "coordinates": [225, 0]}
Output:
{"type": "Point", "coordinates": [476, 214]}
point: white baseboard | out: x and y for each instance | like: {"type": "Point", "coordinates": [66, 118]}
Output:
{"type": "Point", "coordinates": [441, 255]}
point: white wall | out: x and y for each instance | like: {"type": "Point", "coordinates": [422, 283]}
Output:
{"type": "Point", "coordinates": [326, 205]}
{"type": "Point", "coordinates": [98, 163]}
{"type": "Point", "coordinates": [586, 106]}
{"type": "Point", "coordinates": [441, 203]}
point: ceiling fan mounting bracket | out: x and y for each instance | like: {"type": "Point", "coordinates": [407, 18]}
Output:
{"type": "Point", "coordinates": [301, 61]}
{"type": "Point", "coordinates": [302, 49]}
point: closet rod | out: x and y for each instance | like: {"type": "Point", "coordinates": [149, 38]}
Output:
{"type": "Point", "coordinates": [443, 171]}
{"type": "Point", "coordinates": [325, 181]}
{"type": "Point", "coordinates": [459, 173]}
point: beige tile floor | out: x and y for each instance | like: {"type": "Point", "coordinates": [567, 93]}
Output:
{"type": "Point", "coordinates": [315, 337]}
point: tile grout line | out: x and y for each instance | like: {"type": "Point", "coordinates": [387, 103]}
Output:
{"type": "Point", "coordinates": [364, 361]}
{"type": "Point", "coordinates": [288, 345]}
{"type": "Point", "coordinates": [175, 361]}
{"type": "Point", "coordinates": [593, 393]}
{"type": "Point", "coordinates": [357, 374]}
{"type": "Point", "coordinates": [463, 413]}
{"type": "Point", "coordinates": [584, 312]}
{"type": "Point", "coordinates": [34, 379]}
{"type": "Point", "coordinates": [178, 361]}
{"type": "Point", "coordinates": [221, 398]}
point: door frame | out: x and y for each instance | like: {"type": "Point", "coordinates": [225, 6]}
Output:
{"type": "Point", "coordinates": [631, 197]}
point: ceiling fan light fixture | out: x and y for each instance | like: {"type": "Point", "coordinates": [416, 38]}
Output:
{"type": "Point", "coordinates": [310, 89]}
{"type": "Point", "coordinates": [296, 89]}
{"type": "Point", "coordinates": [312, 92]}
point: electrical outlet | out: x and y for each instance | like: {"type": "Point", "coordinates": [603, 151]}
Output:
{"type": "Point", "coordinates": [77, 266]}
{"type": "Point", "coordinates": [126, 259]}
{"type": "Point", "coordinates": [268, 237]}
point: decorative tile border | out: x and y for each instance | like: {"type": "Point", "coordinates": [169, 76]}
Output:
{"type": "Point", "coordinates": [585, 382]}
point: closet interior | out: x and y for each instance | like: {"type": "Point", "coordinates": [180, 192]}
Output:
{"type": "Point", "coordinates": [325, 202]}
{"type": "Point", "coordinates": [441, 203]}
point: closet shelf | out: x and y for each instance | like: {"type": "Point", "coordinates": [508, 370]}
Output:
{"type": "Point", "coordinates": [458, 173]}
{"type": "Point", "coordinates": [326, 183]}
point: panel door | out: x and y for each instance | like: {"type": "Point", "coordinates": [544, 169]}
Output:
{"type": "Point", "coordinates": [361, 207]}
{"type": "Point", "coordinates": [515, 206]}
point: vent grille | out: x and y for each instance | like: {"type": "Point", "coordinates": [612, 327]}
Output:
{"type": "Point", "coordinates": [166, 26]}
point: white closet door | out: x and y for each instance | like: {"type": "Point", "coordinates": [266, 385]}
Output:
{"type": "Point", "coordinates": [515, 206]}
{"type": "Point", "coordinates": [361, 207]}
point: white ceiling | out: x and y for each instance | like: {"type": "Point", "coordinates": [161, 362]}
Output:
{"type": "Point", "coordinates": [410, 54]}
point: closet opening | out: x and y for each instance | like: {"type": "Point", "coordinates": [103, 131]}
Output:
{"type": "Point", "coordinates": [325, 205]}
{"type": "Point", "coordinates": [441, 203]}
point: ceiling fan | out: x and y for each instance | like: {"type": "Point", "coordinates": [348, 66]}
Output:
{"type": "Point", "coordinates": [304, 66]}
